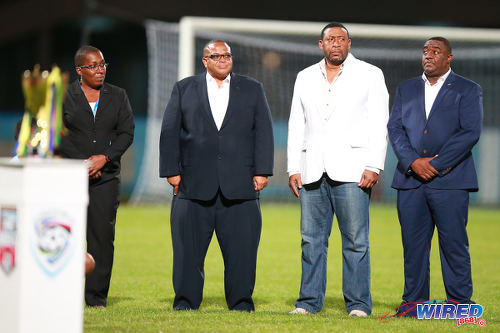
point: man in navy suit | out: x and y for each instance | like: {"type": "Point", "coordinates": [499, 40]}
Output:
{"type": "Point", "coordinates": [216, 150]}
{"type": "Point", "coordinates": [435, 122]}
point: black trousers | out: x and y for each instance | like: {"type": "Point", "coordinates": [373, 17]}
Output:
{"type": "Point", "coordinates": [237, 224]}
{"type": "Point", "coordinates": [101, 219]}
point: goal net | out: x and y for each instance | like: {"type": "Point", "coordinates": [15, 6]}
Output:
{"type": "Point", "coordinates": [274, 52]}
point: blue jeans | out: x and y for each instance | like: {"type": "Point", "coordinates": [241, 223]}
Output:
{"type": "Point", "coordinates": [319, 202]}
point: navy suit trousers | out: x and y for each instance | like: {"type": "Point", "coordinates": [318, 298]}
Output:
{"type": "Point", "coordinates": [237, 224]}
{"type": "Point", "coordinates": [420, 210]}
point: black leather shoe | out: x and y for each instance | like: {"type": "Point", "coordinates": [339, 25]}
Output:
{"type": "Point", "coordinates": [407, 310]}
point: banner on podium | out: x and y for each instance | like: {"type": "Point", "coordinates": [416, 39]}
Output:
{"type": "Point", "coordinates": [8, 227]}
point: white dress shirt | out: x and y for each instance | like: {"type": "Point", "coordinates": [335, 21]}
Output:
{"type": "Point", "coordinates": [218, 97]}
{"type": "Point", "coordinates": [329, 92]}
{"type": "Point", "coordinates": [431, 91]}
{"type": "Point", "coordinates": [330, 95]}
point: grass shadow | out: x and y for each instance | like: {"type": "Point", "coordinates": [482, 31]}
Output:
{"type": "Point", "coordinates": [207, 301]}
{"type": "Point", "coordinates": [334, 303]}
{"type": "Point", "coordinates": [113, 300]}
{"type": "Point", "coordinates": [214, 301]}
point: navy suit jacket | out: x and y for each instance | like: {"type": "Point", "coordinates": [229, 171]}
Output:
{"type": "Point", "coordinates": [207, 158]}
{"type": "Point", "coordinates": [451, 130]}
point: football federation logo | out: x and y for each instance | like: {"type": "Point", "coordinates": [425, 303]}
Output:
{"type": "Point", "coordinates": [8, 223]}
{"type": "Point", "coordinates": [52, 243]}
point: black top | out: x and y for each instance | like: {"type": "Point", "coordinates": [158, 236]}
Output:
{"type": "Point", "coordinates": [110, 133]}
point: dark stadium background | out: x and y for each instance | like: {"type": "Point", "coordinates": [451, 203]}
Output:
{"type": "Point", "coordinates": [49, 32]}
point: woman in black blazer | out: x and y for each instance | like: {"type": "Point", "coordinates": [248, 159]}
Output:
{"type": "Point", "coordinates": [100, 127]}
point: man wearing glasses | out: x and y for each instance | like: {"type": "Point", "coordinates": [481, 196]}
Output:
{"type": "Point", "coordinates": [216, 150]}
{"type": "Point", "coordinates": [100, 127]}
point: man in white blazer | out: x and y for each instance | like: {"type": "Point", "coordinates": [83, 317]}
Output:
{"type": "Point", "coordinates": [337, 140]}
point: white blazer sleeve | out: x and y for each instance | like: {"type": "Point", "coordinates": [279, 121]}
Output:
{"type": "Point", "coordinates": [296, 125]}
{"type": "Point", "coordinates": [378, 115]}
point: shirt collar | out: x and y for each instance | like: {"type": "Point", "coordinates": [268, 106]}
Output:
{"type": "Point", "coordinates": [441, 79]}
{"type": "Point", "coordinates": [347, 61]}
{"type": "Point", "coordinates": [211, 80]}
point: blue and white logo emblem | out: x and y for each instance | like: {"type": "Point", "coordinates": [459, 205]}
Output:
{"type": "Point", "coordinates": [53, 242]}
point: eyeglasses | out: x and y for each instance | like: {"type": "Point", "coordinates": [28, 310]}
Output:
{"type": "Point", "coordinates": [219, 57]}
{"type": "Point", "coordinates": [93, 68]}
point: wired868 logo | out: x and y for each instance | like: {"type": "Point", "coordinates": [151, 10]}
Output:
{"type": "Point", "coordinates": [462, 313]}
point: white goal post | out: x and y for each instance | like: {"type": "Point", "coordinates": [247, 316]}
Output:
{"type": "Point", "coordinates": [188, 26]}
{"type": "Point", "coordinates": [274, 51]}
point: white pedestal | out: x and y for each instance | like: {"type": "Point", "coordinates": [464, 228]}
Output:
{"type": "Point", "coordinates": [43, 215]}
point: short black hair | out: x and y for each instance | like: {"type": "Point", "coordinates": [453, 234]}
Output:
{"type": "Point", "coordinates": [443, 40]}
{"type": "Point", "coordinates": [82, 52]}
{"type": "Point", "coordinates": [334, 25]}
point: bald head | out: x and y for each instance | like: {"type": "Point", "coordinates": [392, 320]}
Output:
{"type": "Point", "coordinates": [210, 46]}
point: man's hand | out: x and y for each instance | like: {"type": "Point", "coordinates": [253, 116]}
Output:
{"type": "Point", "coordinates": [295, 184]}
{"type": "Point", "coordinates": [95, 164]}
{"type": "Point", "coordinates": [423, 168]}
{"type": "Point", "coordinates": [174, 181]}
{"type": "Point", "coordinates": [259, 182]}
{"type": "Point", "coordinates": [368, 179]}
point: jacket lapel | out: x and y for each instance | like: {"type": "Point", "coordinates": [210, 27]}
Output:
{"type": "Point", "coordinates": [203, 98]}
{"type": "Point", "coordinates": [76, 91]}
{"type": "Point", "coordinates": [104, 99]}
{"type": "Point", "coordinates": [421, 100]}
{"type": "Point", "coordinates": [234, 95]}
{"type": "Point", "coordinates": [450, 80]}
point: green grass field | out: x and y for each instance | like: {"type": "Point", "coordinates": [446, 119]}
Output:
{"type": "Point", "coordinates": [141, 295]}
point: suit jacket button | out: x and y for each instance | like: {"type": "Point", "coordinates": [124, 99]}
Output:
{"type": "Point", "coordinates": [94, 141]}
{"type": "Point", "coordinates": [219, 157]}
{"type": "Point", "coordinates": [425, 131]}
{"type": "Point", "coordinates": [425, 151]}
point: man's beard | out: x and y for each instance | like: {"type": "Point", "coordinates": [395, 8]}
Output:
{"type": "Point", "coordinates": [337, 61]}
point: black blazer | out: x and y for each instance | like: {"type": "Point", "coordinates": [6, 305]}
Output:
{"type": "Point", "coordinates": [110, 134]}
{"type": "Point", "coordinates": [207, 158]}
